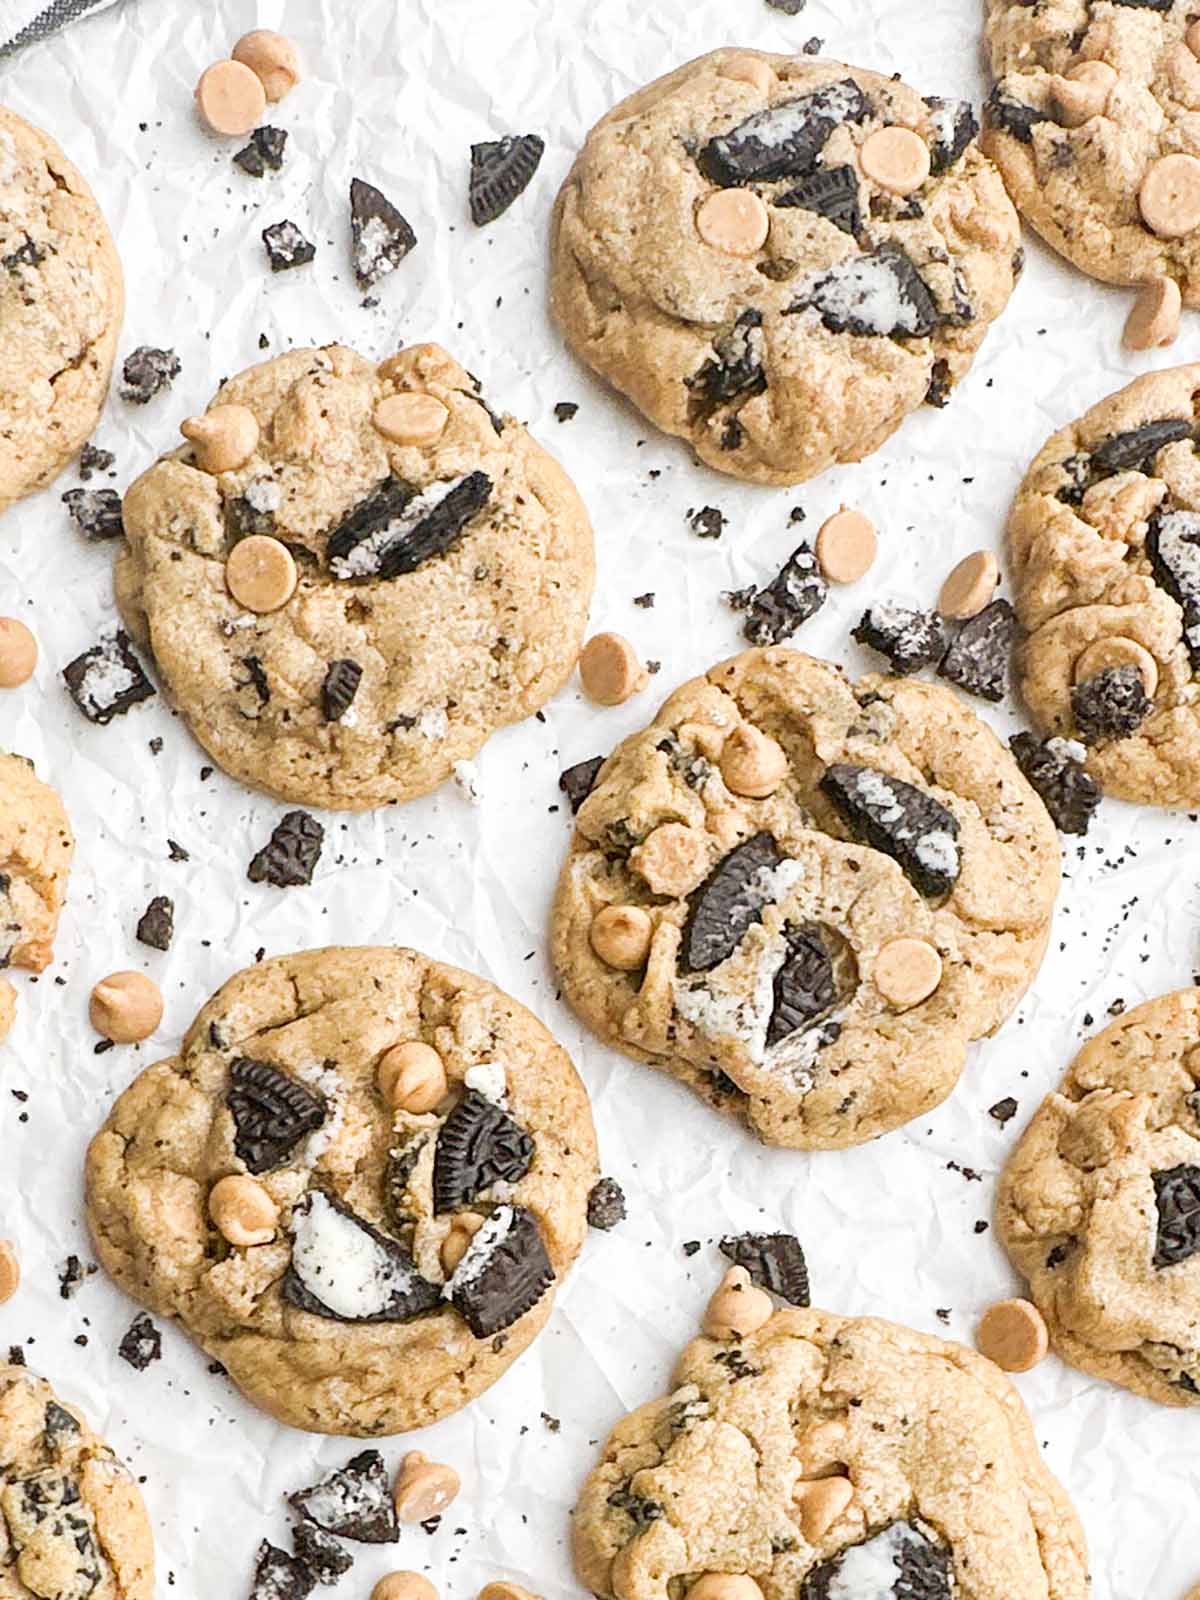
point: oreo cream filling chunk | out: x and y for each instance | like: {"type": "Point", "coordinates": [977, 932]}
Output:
{"type": "Point", "coordinates": [903, 822]}
{"type": "Point", "coordinates": [880, 295]}
{"type": "Point", "coordinates": [785, 140]}
{"type": "Point", "coordinates": [394, 531]}
{"type": "Point", "coordinates": [1173, 545]}
{"type": "Point", "coordinates": [902, 1562]}
{"type": "Point", "coordinates": [344, 1268]}
{"type": "Point", "coordinates": [504, 1273]}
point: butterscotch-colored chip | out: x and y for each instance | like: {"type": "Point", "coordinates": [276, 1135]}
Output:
{"type": "Point", "coordinates": [1082, 93]}
{"type": "Point", "coordinates": [18, 653]}
{"type": "Point", "coordinates": [1153, 320]}
{"type": "Point", "coordinates": [1012, 1333]}
{"type": "Point", "coordinates": [424, 1488]}
{"type": "Point", "coordinates": [272, 58]}
{"type": "Point", "coordinates": [1117, 652]}
{"type": "Point", "coordinates": [672, 859]}
{"type": "Point", "coordinates": [752, 763]}
{"type": "Point", "coordinates": [411, 1076]}
{"type": "Point", "coordinates": [260, 573]}
{"type": "Point", "coordinates": [609, 669]}
{"type": "Point", "coordinates": [620, 936]}
{"type": "Point", "coordinates": [897, 159]}
{"type": "Point", "coordinates": [907, 971]}
{"type": "Point", "coordinates": [126, 1007]}
{"type": "Point", "coordinates": [8, 1008]}
{"type": "Point", "coordinates": [750, 69]}
{"type": "Point", "coordinates": [456, 1243]}
{"type": "Point", "coordinates": [734, 221]}
{"type": "Point", "coordinates": [819, 1445]}
{"type": "Point", "coordinates": [725, 1586]}
{"type": "Point", "coordinates": [411, 418]}
{"type": "Point", "coordinates": [224, 438]}
{"type": "Point", "coordinates": [242, 1210]}
{"type": "Point", "coordinates": [1169, 198]}
{"type": "Point", "coordinates": [231, 98]}
{"type": "Point", "coordinates": [404, 1586]}
{"type": "Point", "coordinates": [969, 586]}
{"type": "Point", "coordinates": [738, 1308]}
{"type": "Point", "coordinates": [846, 546]}
{"type": "Point", "coordinates": [10, 1271]}
{"type": "Point", "coordinates": [820, 1503]}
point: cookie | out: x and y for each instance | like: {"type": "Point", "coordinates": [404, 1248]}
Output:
{"type": "Point", "coordinates": [354, 574]}
{"type": "Point", "coordinates": [36, 846]}
{"type": "Point", "coordinates": [805, 897]}
{"type": "Point", "coordinates": [1090, 123]}
{"type": "Point", "coordinates": [778, 258]}
{"type": "Point", "coordinates": [356, 1186]}
{"type": "Point", "coordinates": [1104, 539]}
{"type": "Point", "coordinates": [1099, 1205]}
{"type": "Point", "coordinates": [61, 303]}
{"type": "Point", "coordinates": [72, 1521]}
{"type": "Point", "coordinates": [825, 1457]}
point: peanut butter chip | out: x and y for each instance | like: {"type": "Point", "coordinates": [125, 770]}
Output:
{"type": "Point", "coordinates": [734, 221]}
{"type": "Point", "coordinates": [1154, 318]}
{"type": "Point", "coordinates": [847, 545]}
{"type": "Point", "coordinates": [752, 70]}
{"type": "Point", "coordinates": [411, 1077]}
{"type": "Point", "coordinates": [454, 1246]}
{"type": "Point", "coordinates": [411, 418]}
{"type": "Point", "coordinates": [724, 1586]}
{"type": "Point", "coordinates": [1117, 652]}
{"type": "Point", "coordinates": [907, 971]}
{"type": "Point", "coordinates": [10, 1271]}
{"type": "Point", "coordinates": [610, 670]}
{"type": "Point", "coordinates": [126, 1007]}
{"type": "Point", "coordinates": [260, 573]}
{"type": "Point", "coordinates": [752, 763]}
{"type": "Point", "coordinates": [1013, 1334]}
{"type": "Point", "coordinates": [970, 586]}
{"type": "Point", "coordinates": [501, 1590]}
{"type": "Point", "coordinates": [1170, 196]}
{"type": "Point", "coordinates": [897, 159]}
{"type": "Point", "coordinates": [404, 1586]}
{"type": "Point", "coordinates": [738, 1308]}
{"type": "Point", "coordinates": [672, 859]}
{"type": "Point", "coordinates": [231, 98]}
{"type": "Point", "coordinates": [242, 1210]}
{"type": "Point", "coordinates": [424, 1488]}
{"type": "Point", "coordinates": [273, 60]}
{"type": "Point", "coordinates": [225, 437]}
{"type": "Point", "coordinates": [620, 936]}
{"type": "Point", "coordinates": [820, 1503]}
{"type": "Point", "coordinates": [1083, 92]}
{"type": "Point", "coordinates": [8, 1008]}
{"type": "Point", "coordinates": [18, 653]}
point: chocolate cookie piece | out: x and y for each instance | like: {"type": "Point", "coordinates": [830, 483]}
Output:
{"type": "Point", "coordinates": [1111, 705]}
{"type": "Point", "coordinates": [345, 1269]}
{"type": "Point", "coordinates": [320, 1552]}
{"type": "Point", "coordinates": [804, 985]}
{"type": "Point", "coordinates": [955, 126]}
{"type": "Point", "coordinates": [728, 901]}
{"type": "Point", "coordinates": [289, 857]}
{"type": "Point", "coordinates": [396, 532]}
{"type": "Point", "coordinates": [156, 925]}
{"type": "Point", "coordinates": [1056, 769]}
{"type": "Point", "coordinates": [264, 153]}
{"type": "Point", "coordinates": [909, 639]}
{"type": "Point", "coordinates": [271, 1112]}
{"type": "Point", "coordinates": [147, 372]}
{"type": "Point", "coordinates": [501, 170]}
{"type": "Point", "coordinates": [978, 658]}
{"type": "Point", "coordinates": [797, 592]}
{"type": "Point", "coordinates": [107, 680]}
{"type": "Point", "coordinates": [832, 192]}
{"type": "Point", "coordinates": [354, 1502]}
{"type": "Point", "coordinates": [478, 1146]}
{"type": "Point", "coordinates": [280, 1576]}
{"type": "Point", "coordinates": [141, 1345]}
{"type": "Point", "coordinates": [1177, 1197]}
{"type": "Point", "coordinates": [95, 512]}
{"type": "Point", "coordinates": [577, 782]}
{"type": "Point", "coordinates": [735, 367]}
{"type": "Point", "coordinates": [287, 247]}
{"type": "Point", "coordinates": [380, 236]}
{"type": "Point", "coordinates": [606, 1205]}
{"type": "Point", "coordinates": [1173, 545]}
{"type": "Point", "coordinates": [774, 1260]}
{"type": "Point", "coordinates": [785, 140]}
{"type": "Point", "coordinates": [339, 688]}
{"type": "Point", "coordinates": [899, 819]}
{"type": "Point", "coordinates": [504, 1273]}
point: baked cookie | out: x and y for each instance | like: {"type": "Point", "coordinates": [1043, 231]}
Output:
{"type": "Point", "coordinates": [1105, 545]}
{"type": "Point", "coordinates": [1099, 1205]}
{"type": "Point", "coordinates": [1091, 123]}
{"type": "Point", "coordinates": [72, 1521]}
{"type": "Point", "coordinates": [356, 1186]}
{"type": "Point", "coordinates": [36, 846]}
{"type": "Point", "coordinates": [419, 575]}
{"type": "Point", "coordinates": [829, 1458]}
{"type": "Point", "coordinates": [804, 897]}
{"type": "Point", "coordinates": [61, 303]}
{"type": "Point", "coordinates": [778, 258]}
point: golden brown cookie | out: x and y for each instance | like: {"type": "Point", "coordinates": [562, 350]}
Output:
{"type": "Point", "coordinates": [322, 1277]}
{"type": "Point", "coordinates": [36, 846]}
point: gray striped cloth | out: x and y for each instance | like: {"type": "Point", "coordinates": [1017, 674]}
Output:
{"type": "Point", "coordinates": [34, 19]}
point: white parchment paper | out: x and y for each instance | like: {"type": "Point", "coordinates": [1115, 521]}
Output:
{"type": "Point", "coordinates": [396, 93]}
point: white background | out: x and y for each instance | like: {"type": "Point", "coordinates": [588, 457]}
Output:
{"type": "Point", "coordinates": [396, 93]}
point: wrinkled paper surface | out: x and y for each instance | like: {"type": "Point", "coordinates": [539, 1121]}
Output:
{"type": "Point", "coordinates": [396, 94]}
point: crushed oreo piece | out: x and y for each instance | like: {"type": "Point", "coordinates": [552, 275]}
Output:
{"type": "Point", "coordinates": [394, 531]}
{"type": "Point", "coordinates": [59, 1427]}
{"type": "Point", "coordinates": [271, 1113]}
{"type": "Point", "coordinates": [727, 904]}
{"type": "Point", "coordinates": [320, 1552]}
{"type": "Point", "coordinates": [287, 247]}
{"type": "Point", "coordinates": [45, 1517]}
{"type": "Point", "coordinates": [736, 366]}
{"type": "Point", "coordinates": [292, 852]}
{"type": "Point", "coordinates": [1177, 1196]}
{"type": "Point", "coordinates": [637, 1508]}
{"type": "Point", "coordinates": [941, 385]}
{"type": "Point", "coordinates": [346, 1270]}
{"type": "Point", "coordinates": [774, 612]}
{"type": "Point", "coordinates": [1002, 110]}
{"type": "Point", "coordinates": [905, 1557]}
{"type": "Point", "coordinates": [147, 372]}
{"type": "Point", "coordinates": [280, 1576]}
{"type": "Point", "coordinates": [880, 294]}
{"type": "Point", "coordinates": [156, 925]}
{"type": "Point", "coordinates": [95, 512]}
{"type": "Point", "coordinates": [1173, 545]}
{"type": "Point", "coordinates": [1004, 1110]}
{"type": "Point", "coordinates": [504, 1273]}
{"type": "Point", "coordinates": [28, 254]}
{"type": "Point", "coordinates": [71, 1277]}
{"type": "Point", "coordinates": [1111, 705]}
{"type": "Point", "coordinates": [263, 153]}
{"type": "Point", "coordinates": [501, 170]}
{"type": "Point", "coordinates": [478, 1145]}
{"type": "Point", "coordinates": [1055, 769]}
{"type": "Point", "coordinates": [909, 639]}
{"type": "Point", "coordinates": [108, 679]}
{"type": "Point", "coordinates": [380, 236]}
{"type": "Point", "coordinates": [978, 657]}
{"type": "Point", "coordinates": [832, 192]}
{"type": "Point", "coordinates": [954, 126]}
{"type": "Point", "coordinates": [706, 522]}
{"type": "Point", "coordinates": [902, 821]}
{"type": "Point", "coordinates": [92, 459]}
{"type": "Point", "coordinates": [339, 688]}
{"type": "Point", "coordinates": [577, 782]}
{"type": "Point", "coordinates": [565, 410]}
{"type": "Point", "coordinates": [775, 1261]}
{"type": "Point", "coordinates": [606, 1205]}
{"type": "Point", "coordinates": [783, 141]}
{"type": "Point", "coordinates": [1138, 447]}
{"type": "Point", "coordinates": [142, 1343]}
{"type": "Point", "coordinates": [804, 985]}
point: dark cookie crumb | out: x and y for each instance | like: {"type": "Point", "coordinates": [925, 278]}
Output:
{"type": "Point", "coordinates": [263, 153]}
{"type": "Point", "coordinates": [71, 1276]}
{"type": "Point", "coordinates": [147, 372]}
{"type": "Point", "coordinates": [501, 170]}
{"type": "Point", "coordinates": [95, 512]}
{"type": "Point", "coordinates": [355, 1501]}
{"type": "Point", "coordinates": [775, 1261]}
{"type": "Point", "coordinates": [108, 679]}
{"type": "Point", "coordinates": [280, 1576]}
{"type": "Point", "coordinates": [1004, 1110]}
{"type": "Point", "coordinates": [156, 925]}
{"type": "Point", "coordinates": [142, 1343]}
{"type": "Point", "coordinates": [1055, 769]}
{"type": "Point", "coordinates": [645, 601]}
{"type": "Point", "coordinates": [92, 459]}
{"type": "Point", "coordinates": [320, 1552]}
{"type": "Point", "coordinates": [707, 522]}
{"type": "Point", "coordinates": [286, 248]}
{"type": "Point", "coordinates": [909, 639]}
{"type": "Point", "coordinates": [565, 410]}
{"type": "Point", "coordinates": [1111, 705]}
{"type": "Point", "coordinates": [774, 612]}
{"type": "Point", "coordinates": [339, 688]}
{"type": "Point", "coordinates": [293, 850]}
{"type": "Point", "coordinates": [606, 1205]}
{"type": "Point", "coordinates": [577, 782]}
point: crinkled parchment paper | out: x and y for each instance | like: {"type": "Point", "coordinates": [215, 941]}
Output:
{"type": "Point", "coordinates": [396, 93]}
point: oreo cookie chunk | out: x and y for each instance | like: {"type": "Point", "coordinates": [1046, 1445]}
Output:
{"type": "Point", "coordinates": [46, 1515]}
{"type": "Point", "coordinates": [339, 688]}
{"type": "Point", "coordinates": [59, 1429]}
{"type": "Point", "coordinates": [95, 512]}
{"type": "Point", "coordinates": [264, 153]}
{"type": "Point", "coordinates": [727, 904]}
{"type": "Point", "coordinates": [900, 820]}
{"type": "Point", "coordinates": [797, 592]}
{"type": "Point", "coordinates": [320, 1552]}
{"type": "Point", "coordinates": [287, 247]}
{"type": "Point", "coordinates": [832, 192]}
{"type": "Point", "coordinates": [290, 856]}
{"type": "Point", "coordinates": [142, 1343]}
{"type": "Point", "coordinates": [735, 368]}
{"type": "Point", "coordinates": [108, 679]}
{"type": "Point", "coordinates": [784, 141]}
{"type": "Point", "coordinates": [905, 1556]}
{"type": "Point", "coordinates": [1004, 111]}
{"type": "Point", "coordinates": [577, 782]}
{"type": "Point", "coordinates": [156, 925]}
{"type": "Point", "coordinates": [1173, 545]}
{"type": "Point", "coordinates": [271, 1113]}
{"type": "Point", "coordinates": [147, 372]}
{"type": "Point", "coordinates": [354, 1502]}
{"type": "Point", "coordinates": [280, 1576]}
{"type": "Point", "coordinates": [504, 1273]}
{"type": "Point", "coordinates": [1177, 1197]}
{"type": "Point", "coordinates": [775, 1261]}
{"type": "Point", "coordinates": [954, 126]}
{"type": "Point", "coordinates": [1136, 448]}
{"type": "Point", "coordinates": [478, 1146]}
{"type": "Point", "coordinates": [345, 1269]}
{"type": "Point", "coordinates": [606, 1205]}
{"type": "Point", "coordinates": [380, 236]}
{"type": "Point", "coordinates": [979, 656]}
{"type": "Point", "coordinates": [394, 531]}
{"type": "Point", "coordinates": [501, 171]}
{"type": "Point", "coordinates": [910, 639]}
{"type": "Point", "coordinates": [1055, 768]}
{"type": "Point", "coordinates": [1110, 705]}
{"type": "Point", "coordinates": [880, 295]}
{"type": "Point", "coordinates": [804, 986]}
